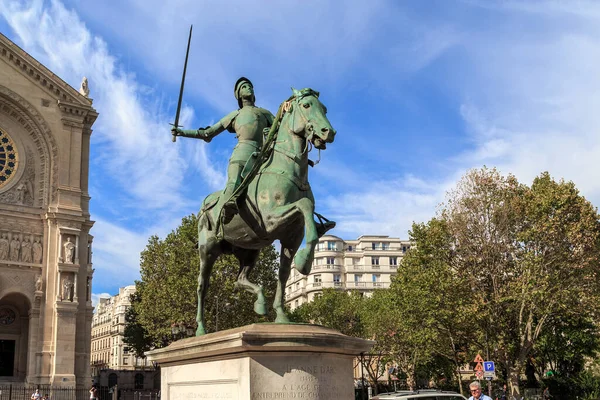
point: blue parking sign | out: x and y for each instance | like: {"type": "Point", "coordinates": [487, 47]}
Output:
{"type": "Point", "coordinates": [488, 366]}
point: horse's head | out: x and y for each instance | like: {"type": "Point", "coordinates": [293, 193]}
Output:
{"type": "Point", "coordinates": [309, 118]}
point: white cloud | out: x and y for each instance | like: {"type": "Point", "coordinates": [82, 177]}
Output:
{"type": "Point", "coordinates": [132, 132]}
{"type": "Point", "coordinates": [97, 296]}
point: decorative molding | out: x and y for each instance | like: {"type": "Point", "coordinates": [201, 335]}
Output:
{"type": "Point", "coordinates": [20, 281]}
{"type": "Point", "coordinates": [23, 113]}
{"type": "Point", "coordinates": [37, 72]}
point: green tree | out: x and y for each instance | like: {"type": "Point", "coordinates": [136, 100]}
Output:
{"type": "Point", "coordinates": [525, 254]}
{"type": "Point", "coordinates": [430, 307]}
{"type": "Point", "coordinates": [167, 288]}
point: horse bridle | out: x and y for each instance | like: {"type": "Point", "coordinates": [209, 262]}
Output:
{"type": "Point", "coordinates": [287, 106]}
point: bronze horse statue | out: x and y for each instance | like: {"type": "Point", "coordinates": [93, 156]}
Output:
{"type": "Point", "coordinates": [278, 205]}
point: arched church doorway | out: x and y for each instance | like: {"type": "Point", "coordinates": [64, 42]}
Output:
{"type": "Point", "coordinates": [14, 333]}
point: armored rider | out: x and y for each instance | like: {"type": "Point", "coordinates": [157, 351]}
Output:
{"type": "Point", "coordinates": [248, 123]}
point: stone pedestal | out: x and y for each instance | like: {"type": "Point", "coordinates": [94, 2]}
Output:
{"type": "Point", "coordinates": [261, 361]}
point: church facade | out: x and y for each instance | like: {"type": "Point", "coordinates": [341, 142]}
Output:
{"type": "Point", "coordinates": [45, 242]}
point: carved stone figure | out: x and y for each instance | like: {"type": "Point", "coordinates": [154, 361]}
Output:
{"type": "Point", "coordinates": [37, 251]}
{"type": "Point", "coordinates": [26, 250]}
{"type": "Point", "coordinates": [67, 292]}
{"type": "Point", "coordinates": [38, 283]}
{"type": "Point", "coordinates": [24, 192]}
{"type": "Point", "coordinates": [84, 89]}
{"type": "Point", "coordinates": [4, 247]}
{"type": "Point", "coordinates": [15, 246]}
{"type": "Point", "coordinates": [69, 249]}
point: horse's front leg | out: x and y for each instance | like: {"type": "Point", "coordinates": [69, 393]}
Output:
{"type": "Point", "coordinates": [289, 246]}
{"type": "Point", "coordinates": [285, 214]}
{"type": "Point", "coordinates": [209, 251]}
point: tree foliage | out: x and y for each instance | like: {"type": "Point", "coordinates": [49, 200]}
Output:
{"type": "Point", "coordinates": [525, 254]}
{"type": "Point", "coordinates": [166, 293]}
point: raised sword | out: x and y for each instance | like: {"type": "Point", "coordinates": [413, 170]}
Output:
{"type": "Point", "coordinates": [175, 125]}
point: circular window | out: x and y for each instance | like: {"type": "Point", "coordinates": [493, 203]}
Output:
{"type": "Point", "coordinates": [9, 158]}
{"type": "Point", "coordinates": [7, 316]}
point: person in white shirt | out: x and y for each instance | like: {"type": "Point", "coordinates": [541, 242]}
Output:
{"type": "Point", "coordinates": [36, 395]}
{"type": "Point", "coordinates": [476, 393]}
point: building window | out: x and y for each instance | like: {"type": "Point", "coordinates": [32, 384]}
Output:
{"type": "Point", "coordinates": [394, 261]}
{"type": "Point", "coordinates": [330, 260]}
{"type": "Point", "coordinates": [350, 248]}
{"type": "Point", "coordinates": [373, 246]}
{"type": "Point", "coordinates": [317, 280]}
{"type": "Point", "coordinates": [358, 280]}
{"type": "Point", "coordinates": [376, 280]}
{"type": "Point", "coordinates": [297, 285]}
{"type": "Point", "coordinates": [404, 249]}
{"type": "Point", "coordinates": [385, 246]}
{"type": "Point", "coordinates": [337, 280]}
{"type": "Point", "coordinates": [375, 261]}
{"type": "Point", "coordinates": [125, 361]}
{"type": "Point", "coordinates": [296, 304]}
{"type": "Point", "coordinates": [139, 381]}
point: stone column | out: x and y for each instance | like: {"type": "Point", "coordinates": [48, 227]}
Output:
{"type": "Point", "coordinates": [75, 285]}
{"type": "Point", "coordinates": [34, 345]}
{"type": "Point", "coordinates": [64, 345]}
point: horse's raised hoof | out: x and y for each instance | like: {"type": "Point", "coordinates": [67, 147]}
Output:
{"type": "Point", "coordinates": [200, 331]}
{"type": "Point", "coordinates": [303, 261]}
{"type": "Point", "coordinates": [260, 305]}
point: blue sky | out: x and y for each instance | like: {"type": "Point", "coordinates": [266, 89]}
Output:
{"type": "Point", "coordinates": [419, 92]}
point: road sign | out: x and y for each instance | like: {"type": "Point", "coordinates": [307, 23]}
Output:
{"type": "Point", "coordinates": [488, 366]}
{"type": "Point", "coordinates": [478, 359]}
{"type": "Point", "coordinates": [479, 374]}
{"type": "Point", "coordinates": [479, 367]}
{"type": "Point", "coordinates": [489, 374]}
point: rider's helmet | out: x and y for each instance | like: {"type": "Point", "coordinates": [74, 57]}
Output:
{"type": "Point", "coordinates": [236, 90]}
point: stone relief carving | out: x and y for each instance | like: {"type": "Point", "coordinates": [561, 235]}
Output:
{"type": "Point", "coordinates": [4, 247]}
{"type": "Point", "coordinates": [37, 251]}
{"type": "Point", "coordinates": [69, 250]}
{"type": "Point", "coordinates": [18, 247]}
{"type": "Point", "coordinates": [23, 193]}
{"type": "Point", "coordinates": [26, 255]}
{"type": "Point", "coordinates": [15, 247]}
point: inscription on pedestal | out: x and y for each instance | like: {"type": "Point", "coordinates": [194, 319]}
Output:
{"type": "Point", "coordinates": [302, 381]}
{"type": "Point", "coordinates": [204, 390]}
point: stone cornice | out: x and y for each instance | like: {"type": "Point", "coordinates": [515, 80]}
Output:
{"type": "Point", "coordinates": [37, 72]}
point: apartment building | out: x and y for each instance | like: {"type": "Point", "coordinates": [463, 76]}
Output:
{"type": "Point", "coordinates": [108, 326]}
{"type": "Point", "coordinates": [365, 264]}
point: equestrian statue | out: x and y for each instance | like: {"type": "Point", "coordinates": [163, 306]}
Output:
{"type": "Point", "coordinates": [267, 196]}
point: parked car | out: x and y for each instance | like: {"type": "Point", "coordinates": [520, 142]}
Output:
{"type": "Point", "coordinates": [423, 394]}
